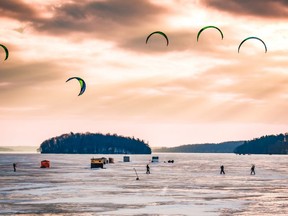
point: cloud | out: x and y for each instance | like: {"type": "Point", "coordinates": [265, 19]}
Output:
{"type": "Point", "coordinates": [27, 73]}
{"type": "Point", "coordinates": [109, 19]}
{"type": "Point", "coordinates": [264, 8]}
{"type": "Point", "coordinates": [17, 10]}
{"type": "Point", "coordinates": [123, 23]}
{"type": "Point", "coordinates": [25, 84]}
{"type": "Point", "coordinates": [236, 92]}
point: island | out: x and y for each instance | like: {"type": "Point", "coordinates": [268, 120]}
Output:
{"type": "Point", "coordinates": [224, 147]}
{"type": "Point", "coordinates": [271, 144]}
{"type": "Point", "coordinates": [93, 143]}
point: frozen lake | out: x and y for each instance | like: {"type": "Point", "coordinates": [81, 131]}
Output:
{"type": "Point", "coordinates": [190, 186]}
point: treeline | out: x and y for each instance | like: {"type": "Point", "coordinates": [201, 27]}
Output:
{"type": "Point", "coordinates": [94, 143]}
{"type": "Point", "coordinates": [272, 144]}
{"type": "Point", "coordinates": [225, 147]}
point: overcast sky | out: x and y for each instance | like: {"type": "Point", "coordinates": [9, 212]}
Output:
{"type": "Point", "coordinates": [187, 92]}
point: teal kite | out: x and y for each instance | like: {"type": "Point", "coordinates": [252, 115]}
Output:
{"type": "Point", "coordinates": [252, 38]}
{"type": "Point", "coordinates": [158, 32]}
{"type": "Point", "coordinates": [206, 27]}
{"type": "Point", "coordinates": [82, 84]}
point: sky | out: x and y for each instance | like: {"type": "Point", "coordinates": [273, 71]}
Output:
{"type": "Point", "coordinates": [185, 93]}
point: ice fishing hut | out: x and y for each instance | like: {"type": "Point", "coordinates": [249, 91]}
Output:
{"type": "Point", "coordinates": [126, 159]}
{"type": "Point", "coordinates": [45, 164]}
{"type": "Point", "coordinates": [155, 159]}
{"type": "Point", "coordinates": [105, 160]}
{"type": "Point", "coordinates": [97, 163]}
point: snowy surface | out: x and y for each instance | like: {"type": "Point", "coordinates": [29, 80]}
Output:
{"type": "Point", "coordinates": [190, 186]}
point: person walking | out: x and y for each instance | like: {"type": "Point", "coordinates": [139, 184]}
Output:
{"type": "Point", "coordinates": [147, 169]}
{"type": "Point", "coordinates": [253, 170]}
{"type": "Point", "coordinates": [222, 170]}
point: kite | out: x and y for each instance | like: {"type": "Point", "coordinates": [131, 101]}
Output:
{"type": "Point", "coordinates": [252, 38]}
{"type": "Point", "coordinates": [206, 27]}
{"type": "Point", "coordinates": [158, 32]}
{"type": "Point", "coordinates": [6, 51]}
{"type": "Point", "coordinates": [82, 84]}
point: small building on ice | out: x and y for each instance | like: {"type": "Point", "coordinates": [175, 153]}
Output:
{"type": "Point", "coordinates": [155, 159]}
{"type": "Point", "coordinates": [126, 159]}
{"type": "Point", "coordinates": [111, 160]}
{"type": "Point", "coordinates": [45, 164]}
{"type": "Point", "coordinates": [98, 162]}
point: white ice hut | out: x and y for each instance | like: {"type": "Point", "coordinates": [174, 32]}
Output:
{"type": "Point", "coordinates": [155, 159]}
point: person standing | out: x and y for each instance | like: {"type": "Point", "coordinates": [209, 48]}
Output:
{"type": "Point", "coordinates": [253, 170]}
{"type": "Point", "coordinates": [14, 167]}
{"type": "Point", "coordinates": [147, 169]}
{"type": "Point", "coordinates": [222, 170]}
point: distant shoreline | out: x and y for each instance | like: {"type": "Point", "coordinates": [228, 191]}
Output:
{"type": "Point", "coordinates": [18, 149]}
{"type": "Point", "coordinates": [18, 152]}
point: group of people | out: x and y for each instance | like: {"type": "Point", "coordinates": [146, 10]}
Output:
{"type": "Point", "coordinates": [222, 172]}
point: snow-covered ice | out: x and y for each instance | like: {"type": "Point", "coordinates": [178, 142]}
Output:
{"type": "Point", "coordinates": [190, 186]}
